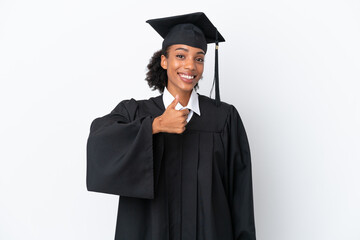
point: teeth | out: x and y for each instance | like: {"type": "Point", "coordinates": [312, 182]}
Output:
{"type": "Point", "coordinates": [186, 76]}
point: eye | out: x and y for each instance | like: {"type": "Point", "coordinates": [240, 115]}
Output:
{"type": "Point", "coordinates": [180, 56]}
{"type": "Point", "coordinates": [199, 59]}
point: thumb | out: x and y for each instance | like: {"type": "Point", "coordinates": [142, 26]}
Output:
{"type": "Point", "coordinates": [174, 102]}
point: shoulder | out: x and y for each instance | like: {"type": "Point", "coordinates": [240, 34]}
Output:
{"type": "Point", "coordinates": [132, 107]}
{"type": "Point", "coordinates": [209, 106]}
{"type": "Point", "coordinates": [219, 115]}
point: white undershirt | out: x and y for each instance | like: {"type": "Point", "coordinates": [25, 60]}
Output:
{"type": "Point", "coordinates": [193, 104]}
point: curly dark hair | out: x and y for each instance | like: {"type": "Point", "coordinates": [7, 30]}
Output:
{"type": "Point", "coordinates": [156, 75]}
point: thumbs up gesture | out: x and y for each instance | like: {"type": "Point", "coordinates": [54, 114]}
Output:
{"type": "Point", "coordinates": [172, 120]}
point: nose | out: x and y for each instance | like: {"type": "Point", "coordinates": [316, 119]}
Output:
{"type": "Point", "coordinates": [190, 64]}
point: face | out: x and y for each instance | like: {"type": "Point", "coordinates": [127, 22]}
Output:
{"type": "Point", "coordinates": [185, 66]}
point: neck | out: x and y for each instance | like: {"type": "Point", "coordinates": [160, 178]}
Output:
{"type": "Point", "coordinates": [183, 96]}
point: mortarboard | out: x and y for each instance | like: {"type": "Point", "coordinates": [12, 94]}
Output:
{"type": "Point", "coordinates": [194, 30]}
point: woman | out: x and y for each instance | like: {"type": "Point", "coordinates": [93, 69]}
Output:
{"type": "Point", "coordinates": [181, 172]}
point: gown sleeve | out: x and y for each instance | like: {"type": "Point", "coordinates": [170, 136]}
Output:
{"type": "Point", "coordinates": [120, 153]}
{"type": "Point", "coordinates": [241, 193]}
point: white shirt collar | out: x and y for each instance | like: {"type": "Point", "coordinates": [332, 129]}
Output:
{"type": "Point", "coordinates": [193, 103]}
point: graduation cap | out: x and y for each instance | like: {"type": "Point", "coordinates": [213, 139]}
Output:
{"type": "Point", "coordinates": [194, 30]}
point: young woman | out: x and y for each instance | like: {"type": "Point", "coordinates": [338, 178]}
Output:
{"type": "Point", "coordinates": [180, 162]}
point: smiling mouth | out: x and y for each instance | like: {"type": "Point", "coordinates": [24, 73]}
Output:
{"type": "Point", "coordinates": [186, 76]}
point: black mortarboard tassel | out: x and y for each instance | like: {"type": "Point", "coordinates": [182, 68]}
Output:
{"type": "Point", "coordinates": [216, 75]}
{"type": "Point", "coordinates": [194, 30]}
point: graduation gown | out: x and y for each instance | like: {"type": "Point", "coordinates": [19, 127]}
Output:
{"type": "Point", "coordinates": [191, 186]}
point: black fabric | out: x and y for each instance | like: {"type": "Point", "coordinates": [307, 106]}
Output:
{"type": "Point", "coordinates": [165, 25]}
{"type": "Point", "coordinates": [195, 185]}
{"type": "Point", "coordinates": [187, 34]}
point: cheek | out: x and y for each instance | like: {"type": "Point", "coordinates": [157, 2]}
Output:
{"type": "Point", "coordinates": [172, 69]}
{"type": "Point", "coordinates": [177, 64]}
{"type": "Point", "coordinates": [200, 69]}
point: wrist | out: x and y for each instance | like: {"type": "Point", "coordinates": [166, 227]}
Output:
{"type": "Point", "coordinates": [156, 125]}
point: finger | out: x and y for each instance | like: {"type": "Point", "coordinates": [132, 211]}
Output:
{"type": "Point", "coordinates": [181, 130]}
{"type": "Point", "coordinates": [184, 122]}
{"type": "Point", "coordinates": [185, 112]}
{"type": "Point", "coordinates": [174, 102]}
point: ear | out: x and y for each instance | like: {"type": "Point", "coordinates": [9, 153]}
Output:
{"type": "Point", "coordinates": [163, 62]}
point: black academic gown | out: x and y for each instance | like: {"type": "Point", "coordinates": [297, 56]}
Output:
{"type": "Point", "coordinates": [191, 186]}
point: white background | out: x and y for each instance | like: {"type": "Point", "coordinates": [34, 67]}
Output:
{"type": "Point", "coordinates": [292, 69]}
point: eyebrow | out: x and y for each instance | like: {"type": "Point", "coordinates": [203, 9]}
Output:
{"type": "Point", "coordinates": [187, 50]}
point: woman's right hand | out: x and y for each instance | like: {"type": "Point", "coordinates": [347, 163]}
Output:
{"type": "Point", "coordinates": [172, 120]}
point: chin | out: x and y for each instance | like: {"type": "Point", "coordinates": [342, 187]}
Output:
{"type": "Point", "coordinates": [188, 88]}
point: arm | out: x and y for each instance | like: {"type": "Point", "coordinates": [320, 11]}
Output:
{"type": "Point", "coordinates": [241, 197]}
{"type": "Point", "coordinates": [120, 154]}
